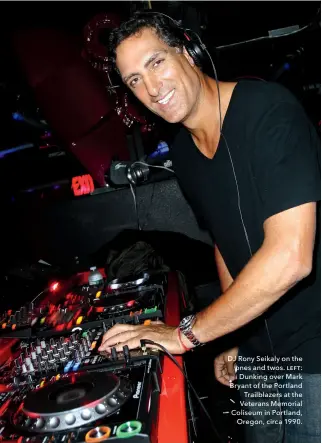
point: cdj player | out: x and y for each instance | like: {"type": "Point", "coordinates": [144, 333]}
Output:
{"type": "Point", "coordinates": [57, 387]}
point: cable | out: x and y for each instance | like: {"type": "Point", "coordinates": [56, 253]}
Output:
{"type": "Point", "coordinates": [266, 37]}
{"type": "Point", "coordinates": [150, 342]}
{"type": "Point", "coordinates": [240, 210]}
{"type": "Point", "coordinates": [39, 295]}
{"type": "Point", "coordinates": [136, 207]}
{"type": "Point", "coordinates": [152, 166]}
{"type": "Point", "coordinates": [133, 191]}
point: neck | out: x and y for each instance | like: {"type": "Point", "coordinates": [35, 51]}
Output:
{"type": "Point", "coordinates": [204, 121]}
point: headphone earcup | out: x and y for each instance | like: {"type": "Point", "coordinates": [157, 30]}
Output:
{"type": "Point", "coordinates": [195, 52]}
{"type": "Point", "coordinates": [137, 173]}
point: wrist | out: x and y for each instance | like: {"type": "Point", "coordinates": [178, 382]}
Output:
{"type": "Point", "coordinates": [185, 344]}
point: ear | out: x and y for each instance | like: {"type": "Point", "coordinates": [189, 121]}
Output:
{"type": "Point", "coordinates": [188, 57]}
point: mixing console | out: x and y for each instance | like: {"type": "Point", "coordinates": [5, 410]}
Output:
{"type": "Point", "coordinates": [83, 305]}
{"type": "Point", "coordinates": [56, 387]}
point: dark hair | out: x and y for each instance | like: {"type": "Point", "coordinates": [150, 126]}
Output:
{"type": "Point", "coordinates": [165, 28]}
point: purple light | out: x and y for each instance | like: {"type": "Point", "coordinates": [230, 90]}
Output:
{"type": "Point", "coordinates": [56, 186]}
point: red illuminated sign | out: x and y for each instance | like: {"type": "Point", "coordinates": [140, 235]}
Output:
{"type": "Point", "coordinates": [82, 185]}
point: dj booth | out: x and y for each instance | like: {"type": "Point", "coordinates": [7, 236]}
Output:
{"type": "Point", "coordinates": [57, 387]}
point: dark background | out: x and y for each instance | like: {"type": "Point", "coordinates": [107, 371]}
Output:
{"type": "Point", "coordinates": [42, 218]}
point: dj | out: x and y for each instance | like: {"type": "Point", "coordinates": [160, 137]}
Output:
{"type": "Point", "coordinates": [247, 158]}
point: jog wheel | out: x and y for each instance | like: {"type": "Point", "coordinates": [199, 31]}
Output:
{"type": "Point", "coordinates": [72, 402]}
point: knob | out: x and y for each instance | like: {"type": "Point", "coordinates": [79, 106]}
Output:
{"type": "Point", "coordinates": [43, 344]}
{"type": "Point", "coordinates": [62, 356]}
{"type": "Point", "coordinates": [31, 367]}
{"type": "Point", "coordinates": [84, 343]}
{"type": "Point", "coordinates": [55, 351]}
{"type": "Point", "coordinates": [33, 355]}
{"type": "Point", "coordinates": [113, 354]}
{"type": "Point", "coordinates": [126, 352]}
{"type": "Point", "coordinates": [23, 311]}
{"type": "Point", "coordinates": [104, 327]}
{"type": "Point", "coordinates": [39, 361]}
{"type": "Point", "coordinates": [51, 358]}
{"type": "Point", "coordinates": [73, 338]}
{"type": "Point", "coordinates": [66, 349]}
{"type": "Point", "coordinates": [24, 369]}
{"type": "Point", "coordinates": [29, 379]}
{"type": "Point", "coordinates": [52, 342]}
{"type": "Point", "coordinates": [17, 363]}
{"type": "Point", "coordinates": [77, 356]}
{"type": "Point", "coordinates": [38, 349]}
{"type": "Point", "coordinates": [43, 354]}
{"type": "Point", "coordinates": [28, 361]}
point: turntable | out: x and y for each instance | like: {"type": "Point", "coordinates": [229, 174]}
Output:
{"type": "Point", "coordinates": [72, 402]}
{"type": "Point", "coordinates": [86, 407]}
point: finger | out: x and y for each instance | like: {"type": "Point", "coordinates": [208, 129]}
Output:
{"type": "Point", "coordinates": [221, 372]}
{"type": "Point", "coordinates": [224, 381]}
{"type": "Point", "coordinates": [116, 339]}
{"type": "Point", "coordinates": [231, 369]}
{"type": "Point", "coordinates": [117, 329]}
{"type": "Point", "coordinates": [218, 366]}
{"type": "Point", "coordinates": [132, 343]}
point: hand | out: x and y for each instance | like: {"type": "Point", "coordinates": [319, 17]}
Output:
{"type": "Point", "coordinates": [224, 366]}
{"type": "Point", "coordinates": [130, 335]}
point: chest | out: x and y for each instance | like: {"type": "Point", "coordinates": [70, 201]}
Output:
{"type": "Point", "coordinates": [223, 194]}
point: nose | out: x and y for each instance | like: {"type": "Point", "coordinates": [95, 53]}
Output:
{"type": "Point", "coordinates": [153, 85]}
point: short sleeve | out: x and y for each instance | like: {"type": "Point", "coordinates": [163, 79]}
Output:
{"type": "Point", "coordinates": [285, 160]}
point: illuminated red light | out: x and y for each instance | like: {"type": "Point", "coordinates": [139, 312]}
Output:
{"type": "Point", "coordinates": [130, 303]}
{"type": "Point", "coordinates": [54, 286]}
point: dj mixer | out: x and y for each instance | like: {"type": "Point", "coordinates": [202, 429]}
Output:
{"type": "Point", "coordinates": [55, 386]}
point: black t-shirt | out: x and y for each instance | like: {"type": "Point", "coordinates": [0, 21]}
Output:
{"type": "Point", "coordinates": [272, 153]}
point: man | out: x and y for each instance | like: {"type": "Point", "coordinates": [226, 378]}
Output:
{"type": "Point", "coordinates": [255, 182]}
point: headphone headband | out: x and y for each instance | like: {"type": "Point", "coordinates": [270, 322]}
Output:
{"type": "Point", "coordinates": [192, 42]}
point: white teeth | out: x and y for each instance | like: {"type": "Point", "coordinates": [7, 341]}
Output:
{"type": "Point", "coordinates": [166, 98]}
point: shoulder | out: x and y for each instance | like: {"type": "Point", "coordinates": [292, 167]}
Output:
{"type": "Point", "coordinates": [266, 92]}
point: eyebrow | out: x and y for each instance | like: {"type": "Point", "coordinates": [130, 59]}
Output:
{"type": "Point", "coordinates": [146, 64]}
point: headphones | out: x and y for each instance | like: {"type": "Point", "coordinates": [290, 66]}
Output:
{"type": "Point", "coordinates": [139, 172]}
{"type": "Point", "coordinates": [189, 38]}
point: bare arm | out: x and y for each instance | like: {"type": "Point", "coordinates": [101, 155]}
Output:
{"type": "Point", "coordinates": [284, 259]}
{"type": "Point", "coordinates": [224, 275]}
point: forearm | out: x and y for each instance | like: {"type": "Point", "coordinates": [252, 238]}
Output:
{"type": "Point", "coordinates": [268, 275]}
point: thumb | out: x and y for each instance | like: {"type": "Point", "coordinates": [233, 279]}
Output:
{"type": "Point", "coordinates": [230, 365]}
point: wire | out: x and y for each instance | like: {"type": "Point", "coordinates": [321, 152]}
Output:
{"type": "Point", "coordinates": [266, 37]}
{"type": "Point", "coordinates": [136, 207]}
{"type": "Point", "coordinates": [39, 295]}
{"type": "Point", "coordinates": [133, 191]}
{"type": "Point", "coordinates": [282, 426]}
{"type": "Point", "coordinates": [150, 342]}
{"type": "Point", "coordinates": [152, 166]}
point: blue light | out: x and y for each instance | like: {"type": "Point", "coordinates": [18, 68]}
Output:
{"type": "Point", "coordinates": [287, 66]}
{"type": "Point", "coordinates": [17, 116]}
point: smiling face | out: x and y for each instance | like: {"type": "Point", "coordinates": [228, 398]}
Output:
{"type": "Point", "coordinates": [164, 79]}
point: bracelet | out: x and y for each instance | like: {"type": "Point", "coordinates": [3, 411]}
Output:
{"type": "Point", "coordinates": [181, 342]}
